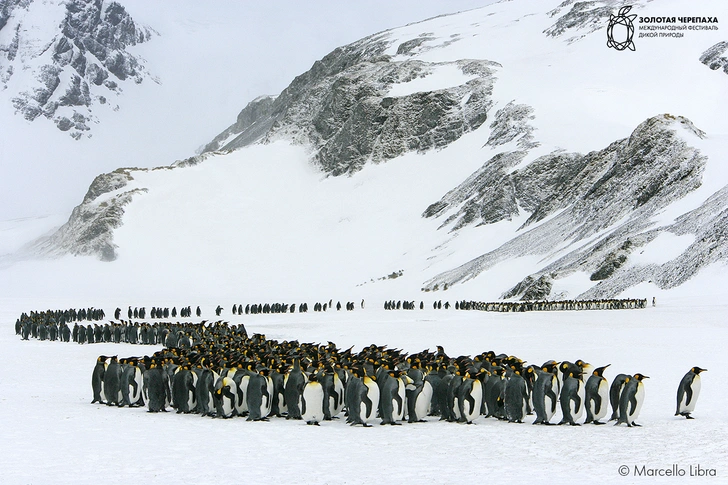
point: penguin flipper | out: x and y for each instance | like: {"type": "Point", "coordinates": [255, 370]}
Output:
{"type": "Point", "coordinates": [368, 403]}
{"type": "Point", "coordinates": [689, 394]}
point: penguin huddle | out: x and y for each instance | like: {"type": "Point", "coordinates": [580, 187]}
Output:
{"type": "Point", "coordinates": [224, 373]}
{"type": "Point", "coordinates": [552, 305]}
{"type": "Point", "coordinates": [53, 324]}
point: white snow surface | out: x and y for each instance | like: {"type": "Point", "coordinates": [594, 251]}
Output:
{"type": "Point", "coordinates": [441, 77]}
{"type": "Point", "coordinates": [52, 434]}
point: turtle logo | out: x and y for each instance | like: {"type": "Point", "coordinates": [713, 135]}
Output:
{"type": "Point", "coordinates": [623, 23]}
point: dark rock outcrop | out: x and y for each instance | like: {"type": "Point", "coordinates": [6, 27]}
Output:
{"type": "Point", "coordinates": [714, 57]}
{"type": "Point", "coordinates": [89, 48]}
{"type": "Point", "coordinates": [599, 204]}
{"type": "Point", "coordinates": [342, 109]}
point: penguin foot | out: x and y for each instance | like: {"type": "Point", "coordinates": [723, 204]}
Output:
{"type": "Point", "coordinates": [574, 424]}
{"type": "Point", "coordinates": [638, 425]}
{"type": "Point", "coordinates": [687, 416]}
{"type": "Point", "coordinates": [396, 424]}
{"type": "Point", "coordinates": [597, 422]}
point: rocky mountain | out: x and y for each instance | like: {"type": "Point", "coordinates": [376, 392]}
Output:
{"type": "Point", "coordinates": [345, 110]}
{"type": "Point", "coordinates": [63, 59]}
{"type": "Point", "coordinates": [483, 153]}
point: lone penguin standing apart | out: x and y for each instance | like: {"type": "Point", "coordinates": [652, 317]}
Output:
{"type": "Point", "coordinates": [688, 392]}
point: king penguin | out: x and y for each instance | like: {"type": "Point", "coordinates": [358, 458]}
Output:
{"type": "Point", "coordinates": [515, 397]}
{"type": "Point", "coordinates": [293, 385]}
{"type": "Point", "coordinates": [545, 395]}
{"type": "Point", "coordinates": [312, 401]}
{"type": "Point", "coordinates": [470, 398]}
{"type": "Point", "coordinates": [260, 395]}
{"type": "Point", "coordinates": [419, 396]}
{"type": "Point", "coordinates": [97, 379]}
{"type": "Point", "coordinates": [688, 392]}
{"type": "Point", "coordinates": [370, 405]}
{"type": "Point", "coordinates": [615, 391]}
{"type": "Point", "coordinates": [631, 399]}
{"type": "Point", "coordinates": [112, 382]}
{"type": "Point", "coordinates": [597, 394]}
{"type": "Point", "coordinates": [572, 398]}
{"type": "Point", "coordinates": [156, 388]}
{"type": "Point", "coordinates": [225, 396]}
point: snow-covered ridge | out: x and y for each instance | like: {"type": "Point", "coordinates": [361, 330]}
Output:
{"type": "Point", "coordinates": [359, 104]}
{"type": "Point", "coordinates": [61, 60]}
{"type": "Point", "coordinates": [516, 172]}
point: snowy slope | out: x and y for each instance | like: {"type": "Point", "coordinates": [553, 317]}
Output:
{"type": "Point", "coordinates": [651, 158]}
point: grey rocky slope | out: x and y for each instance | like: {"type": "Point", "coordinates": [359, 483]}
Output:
{"type": "Point", "coordinates": [84, 63]}
{"type": "Point", "coordinates": [90, 228]}
{"type": "Point", "coordinates": [601, 204]}
{"type": "Point", "coordinates": [342, 110]}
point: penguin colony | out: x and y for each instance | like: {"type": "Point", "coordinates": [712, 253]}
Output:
{"type": "Point", "coordinates": [208, 369]}
{"type": "Point", "coordinates": [53, 324]}
{"type": "Point", "coordinates": [225, 373]}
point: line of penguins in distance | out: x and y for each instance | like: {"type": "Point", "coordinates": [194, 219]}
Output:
{"type": "Point", "coordinates": [224, 373]}
{"type": "Point", "coordinates": [53, 324]}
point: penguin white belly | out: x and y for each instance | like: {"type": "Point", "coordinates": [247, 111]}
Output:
{"type": "Point", "coordinates": [313, 395]}
{"type": "Point", "coordinates": [399, 408]}
{"type": "Point", "coordinates": [640, 398]}
{"type": "Point", "coordinates": [241, 404]}
{"type": "Point", "coordinates": [423, 401]}
{"type": "Point", "coordinates": [689, 407]}
{"type": "Point", "coordinates": [456, 408]}
{"type": "Point", "coordinates": [135, 395]}
{"type": "Point", "coordinates": [282, 406]}
{"type": "Point", "coordinates": [373, 395]}
{"type": "Point", "coordinates": [603, 391]}
{"type": "Point", "coordinates": [477, 394]}
{"type": "Point", "coordinates": [228, 404]}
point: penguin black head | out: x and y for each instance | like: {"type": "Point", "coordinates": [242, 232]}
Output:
{"type": "Point", "coordinates": [600, 370]}
{"type": "Point", "coordinates": [698, 370]}
{"type": "Point", "coordinates": [639, 376]}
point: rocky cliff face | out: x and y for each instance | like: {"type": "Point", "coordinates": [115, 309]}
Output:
{"type": "Point", "coordinates": [80, 63]}
{"type": "Point", "coordinates": [342, 107]}
{"type": "Point", "coordinates": [715, 57]}
{"type": "Point", "coordinates": [599, 204]}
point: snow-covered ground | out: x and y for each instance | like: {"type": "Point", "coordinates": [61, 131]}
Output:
{"type": "Point", "coordinates": [52, 434]}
